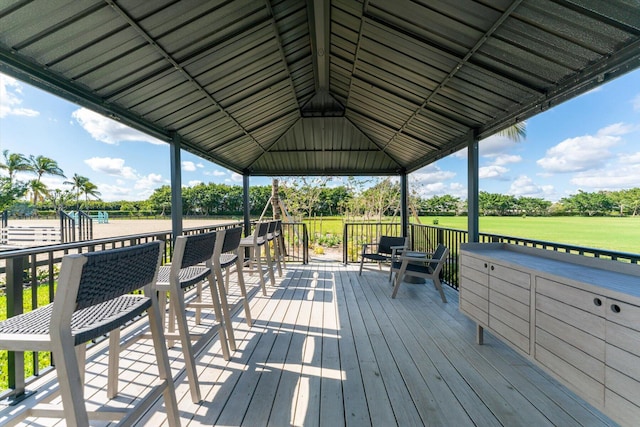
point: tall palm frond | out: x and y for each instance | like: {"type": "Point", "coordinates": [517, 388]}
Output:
{"type": "Point", "coordinates": [14, 162]}
{"type": "Point", "coordinates": [42, 165]}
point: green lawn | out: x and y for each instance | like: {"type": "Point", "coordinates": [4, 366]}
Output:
{"type": "Point", "coordinates": [612, 233]}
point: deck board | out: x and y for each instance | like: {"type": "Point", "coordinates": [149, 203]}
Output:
{"type": "Point", "coordinates": [330, 348]}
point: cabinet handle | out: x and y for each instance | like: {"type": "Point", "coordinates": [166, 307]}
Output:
{"type": "Point", "coordinates": [597, 302]}
{"type": "Point", "coordinates": [615, 308]}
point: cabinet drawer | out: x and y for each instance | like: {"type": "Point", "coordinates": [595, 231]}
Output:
{"type": "Point", "coordinates": [581, 340]}
{"type": "Point", "coordinates": [510, 275]}
{"type": "Point", "coordinates": [478, 314]}
{"type": "Point", "coordinates": [573, 316]}
{"type": "Point", "coordinates": [620, 409]}
{"type": "Point", "coordinates": [583, 300]}
{"type": "Point", "coordinates": [623, 314]}
{"type": "Point", "coordinates": [474, 275]}
{"type": "Point", "coordinates": [474, 263]}
{"type": "Point", "coordinates": [588, 388]}
{"type": "Point", "coordinates": [580, 360]}
{"type": "Point", "coordinates": [510, 290]}
{"type": "Point", "coordinates": [626, 363]}
{"type": "Point", "coordinates": [507, 332]}
{"type": "Point", "coordinates": [623, 385]}
{"type": "Point", "coordinates": [623, 337]}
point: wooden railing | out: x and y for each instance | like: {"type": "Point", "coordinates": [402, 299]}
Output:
{"type": "Point", "coordinates": [29, 275]}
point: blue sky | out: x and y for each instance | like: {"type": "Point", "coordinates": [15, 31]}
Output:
{"type": "Point", "coordinates": [590, 143]}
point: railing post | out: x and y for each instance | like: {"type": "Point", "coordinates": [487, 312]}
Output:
{"type": "Point", "coordinates": [345, 244]}
{"type": "Point", "coordinates": [15, 359]}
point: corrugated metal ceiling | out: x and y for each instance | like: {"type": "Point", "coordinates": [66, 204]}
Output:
{"type": "Point", "coordinates": [341, 87]}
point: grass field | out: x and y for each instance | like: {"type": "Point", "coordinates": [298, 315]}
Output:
{"type": "Point", "coordinates": [612, 233]}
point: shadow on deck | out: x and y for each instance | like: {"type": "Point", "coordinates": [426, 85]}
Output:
{"type": "Point", "coordinates": [330, 347]}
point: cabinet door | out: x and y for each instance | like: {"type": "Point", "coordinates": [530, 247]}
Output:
{"type": "Point", "coordinates": [474, 288]}
{"type": "Point", "coordinates": [510, 305]}
{"type": "Point", "coordinates": [570, 337]}
{"type": "Point", "coordinates": [622, 394]}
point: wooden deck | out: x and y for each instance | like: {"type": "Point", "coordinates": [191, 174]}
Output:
{"type": "Point", "coordinates": [331, 348]}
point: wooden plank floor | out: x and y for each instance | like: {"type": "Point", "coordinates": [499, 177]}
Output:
{"type": "Point", "coordinates": [331, 348]}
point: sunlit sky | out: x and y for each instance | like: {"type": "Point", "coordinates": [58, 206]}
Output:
{"type": "Point", "coordinates": [589, 143]}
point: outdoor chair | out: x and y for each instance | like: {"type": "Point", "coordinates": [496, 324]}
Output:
{"type": "Point", "coordinates": [383, 250]}
{"type": "Point", "coordinates": [94, 297]}
{"type": "Point", "coordinates": [254, 244]}
{"type": "Point", "coordinates": [191, 264]}
{"type": "Point", "coordinates": [225, 256]}
{"type": "Point", "coordinates": [420, 264]}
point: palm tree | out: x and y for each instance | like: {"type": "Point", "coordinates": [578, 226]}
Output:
{"type": "Point", "coordinates": [37, 189]}
{"type": "Point", "coordinates": [14, 162]}
{"type": "Point", "coordinates": [77, 183]}
{"type": "Point", "coordinates": [42, 165]}
{"type": "Point", "coordinates": [90, 189]}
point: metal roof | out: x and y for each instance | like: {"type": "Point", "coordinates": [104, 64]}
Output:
{"type": "Point", "coordinates": [340, 87]}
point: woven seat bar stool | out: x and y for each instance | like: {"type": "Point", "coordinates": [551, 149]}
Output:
{"type": "Point", "coordinates": [190, 265]}
{"type": "Point", "coordinates": [94, 297]}
{"type": "Point", "coordinates": [280, 241]}
{"type": "Point", "coordinates": [272, 239]}
{"type": "Point", "coordinates": [255, 243]}
{"type": "Point", "coordinates": [226, 255]}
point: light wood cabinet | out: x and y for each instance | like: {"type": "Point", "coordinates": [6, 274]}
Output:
{"type": "Point", "coordinates": [576, 317]}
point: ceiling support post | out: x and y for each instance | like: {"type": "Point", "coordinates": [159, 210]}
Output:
{"type": "Point", "coordinates": [246, 205]}
{"type": "Point", "coordinates": [404, 203]}
{"type": "Point", "coordinates": [473, 211]}
{"type": "Point", "coordinates": [176, 186]}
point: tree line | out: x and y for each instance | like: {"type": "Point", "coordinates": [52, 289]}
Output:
{"type": "Point", "coordinates": [362, 198]}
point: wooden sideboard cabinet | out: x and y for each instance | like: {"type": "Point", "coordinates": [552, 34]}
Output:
{"type": "Point", "coordinates": [576, 317]}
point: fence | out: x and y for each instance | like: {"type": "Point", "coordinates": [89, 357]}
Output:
{"type": "Point", "coordinates": [30, 273]}
{"type": "Point", "coordinates": [426, 238]}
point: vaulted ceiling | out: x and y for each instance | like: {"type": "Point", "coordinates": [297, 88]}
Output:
{"type": "Point", "coordinates": [340, 87]}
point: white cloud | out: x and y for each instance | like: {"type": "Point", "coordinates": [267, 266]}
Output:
{"type": "Point", "coordinates": [188, 166]}
{"type": "Point", "coordinates": [107, 130]}
{"type": "Point", "coordinates": [524, 186]}
{"type": "Point", "coordinates": [494, 146]}
{"type": "Point", "coordinates": [193, 183]}
{"type": "Point", "coordinates": [431, 174]}
{"type": "Point", "coordinates": [236, 177]}
{"type": "Point", "coordinates": [115, 192]}
{"type": "Point", "coordinates": [505, 159]}
{"type": "Point", "coordinates": [492, 171]}
{"type": "Point", "coordinates": [622, 174]}
{"type": "Point", "coordinates": [111, 166]}
{"type": "Point", "coordinates": [583, 152]}
{"type": "Point", "coordinates": [10, 99]}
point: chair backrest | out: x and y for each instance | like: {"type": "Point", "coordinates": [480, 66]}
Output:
{"type": "Point", "coordinates": [231, 241]}
{"type": "Point", "coordinates": [260, 232]}
{"type": "Point", "coordinates": [386, 242]}
{"type": "Point", "coordinates": [194, 249]}
{"type": "Point", "coordinates": [106, 275]}
{"type": "Point", "coordinates": [272, 228]}
{"type": "Point", "coordinates": [440, 254]}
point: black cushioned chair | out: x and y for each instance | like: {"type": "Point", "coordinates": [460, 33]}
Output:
{"type": "Point", "coordinates": [382, 251]}
{"type": "Point", "coordinates": [420, 264]}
